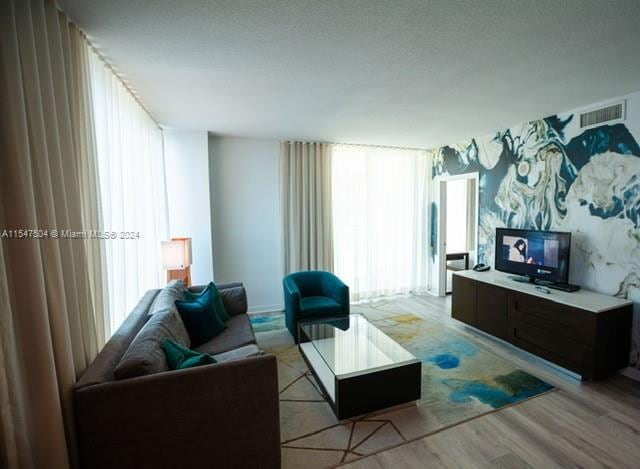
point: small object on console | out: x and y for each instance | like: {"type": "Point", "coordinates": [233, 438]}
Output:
{"type": "Point", "coordinates": [481, 267]}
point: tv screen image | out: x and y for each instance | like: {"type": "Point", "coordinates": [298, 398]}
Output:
{"type": "Point", "coordinates": [531, 251]}
{"type": "Point", "coordinates": [535, 254]}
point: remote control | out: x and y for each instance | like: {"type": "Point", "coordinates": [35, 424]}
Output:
{"type": "Point", "coordinates": [543, 290]}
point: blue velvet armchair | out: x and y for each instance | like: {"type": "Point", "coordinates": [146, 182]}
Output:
{"type": "Point", "coordinates": [313, 295]}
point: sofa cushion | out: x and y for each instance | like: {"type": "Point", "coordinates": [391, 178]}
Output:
{"type": "Point", "coordinates": [247, 351]}
{"type": "Point", "coordinates": [237, 334]}
{"type": "Point", "coordinates": [226, 286]}
{"type": "Point", "coordinates": [167, 297]}
{"type": "Point", "coordinates": [166, 301]}
{"type": "Point", "coordinates": [200, 318]}
{"type": "Point", "coordinates": [145, 355]}
{"type": "Point", "coordinates": [319, 306]}
{"type": "Point", "coordinates": [102, 368]}
{"type": "Point", "coordinates": [180, 357]}
{"type": "Point", "coordinates": [234, 299]}
{"type": "Point", "coordinates": [209, 295]}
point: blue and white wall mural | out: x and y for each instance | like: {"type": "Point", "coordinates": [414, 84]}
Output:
{"type": "Point", "coordinates": [549, 174]}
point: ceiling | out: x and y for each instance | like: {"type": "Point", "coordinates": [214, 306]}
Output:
{"type": "Point", "coordinates": [390, 72]}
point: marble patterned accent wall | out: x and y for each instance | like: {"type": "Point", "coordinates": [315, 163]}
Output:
{"type": "Point", "coordinates": [549, 174]}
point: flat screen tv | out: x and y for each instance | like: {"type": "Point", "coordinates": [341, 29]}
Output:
{"type": "Point", "coordinates": [538, 255]}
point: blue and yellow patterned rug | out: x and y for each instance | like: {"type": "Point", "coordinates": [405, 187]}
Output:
{"type": "Point", "coordinates": [460, 380]}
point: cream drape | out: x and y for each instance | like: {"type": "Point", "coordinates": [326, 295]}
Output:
{"type": "Point", "coordinates": [380, 219]}
{"type": "Point", "coordinates": [133, 191]}
{"type": "Point", "coordinates": [306, 206]}
{"type": "Point", "coordinates": [50, 289]}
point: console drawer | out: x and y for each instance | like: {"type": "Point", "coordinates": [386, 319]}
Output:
{"type": "Point", "coordinates": [568, 353]}
{"type": "Point", "coordinates": [556, 318]}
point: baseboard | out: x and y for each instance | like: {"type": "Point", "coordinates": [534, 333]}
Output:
{"type": "Point", "coordinates": [265, 309]}
{"type": "Point", "coordinates": [629, 372]}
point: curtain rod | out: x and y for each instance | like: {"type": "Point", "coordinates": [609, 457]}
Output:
{"type": "Point", "coordinates": [115, 72]}
{"type": "Point", "coordinates": [122, 81]}
{"type": "Point", "coordinates": [359, 145]}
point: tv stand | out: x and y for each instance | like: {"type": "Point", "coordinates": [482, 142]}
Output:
{"type": "Point", "coordinates": [585, 332]}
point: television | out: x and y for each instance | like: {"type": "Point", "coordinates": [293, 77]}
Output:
{"type": "Point", "coordinates": [537, 255]}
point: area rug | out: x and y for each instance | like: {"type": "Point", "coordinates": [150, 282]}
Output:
{"type": "Point", "coordinates": [460, 380]}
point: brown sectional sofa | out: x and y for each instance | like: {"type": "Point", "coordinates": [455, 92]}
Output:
{"type": "Point", "coordinates": [223, 415]}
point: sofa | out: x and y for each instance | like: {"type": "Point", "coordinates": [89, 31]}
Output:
{"type": "Point", "coordinates": [223, 415]}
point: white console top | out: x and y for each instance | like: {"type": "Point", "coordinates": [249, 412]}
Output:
{"type": "Point", "coordinates": [582, 299]}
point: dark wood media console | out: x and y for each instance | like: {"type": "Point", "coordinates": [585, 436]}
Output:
{"type": "Point", "coordinates": [584, 332]}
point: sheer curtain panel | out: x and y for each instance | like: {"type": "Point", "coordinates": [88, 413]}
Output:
{"type": "Point", "coordinates": [133, 192]}
{"type": "Point", "coordinates": [306, 206]}
{"type": "Point", "coordinates": [380, 219]}
{"type": "Point", "coordinates": [50, 297]}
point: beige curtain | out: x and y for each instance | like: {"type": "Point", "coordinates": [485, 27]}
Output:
{"type": "Point", "coordinates": [50, 287]}
{"type": "Point", "coordinates": [306, 206]}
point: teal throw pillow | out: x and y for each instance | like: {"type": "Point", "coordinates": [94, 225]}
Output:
{"type": "Point", "coordinates": [200, 319]}
{"type": "Point", "coordinates": [180, 357]}
{"type": "Point", "coordinates": [202, 296]}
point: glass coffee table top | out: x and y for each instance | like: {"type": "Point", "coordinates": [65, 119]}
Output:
{"type": "Point", "coordinates": [352, 346]}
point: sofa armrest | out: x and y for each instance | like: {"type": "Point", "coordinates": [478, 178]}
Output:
{"type": "Point", "coordinates": [222, 415]}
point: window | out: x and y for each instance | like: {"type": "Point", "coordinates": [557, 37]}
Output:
{"type": "Point", "coordinates": [380, 219]}
{"type": "Point", "coordinates": [132, 192]}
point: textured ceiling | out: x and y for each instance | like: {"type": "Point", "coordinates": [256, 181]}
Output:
{"type": "Point", "coordinates": [394, 72]}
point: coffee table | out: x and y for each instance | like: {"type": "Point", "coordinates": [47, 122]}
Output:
{"type": "Point", "coordinates": [359, 368]}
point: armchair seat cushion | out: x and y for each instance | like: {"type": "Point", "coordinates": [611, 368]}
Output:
{"type": "Point", "coordinates": [324, 306]}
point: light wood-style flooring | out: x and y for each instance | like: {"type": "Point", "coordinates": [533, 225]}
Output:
{"type": "Point", "coordinates": [582, 424]}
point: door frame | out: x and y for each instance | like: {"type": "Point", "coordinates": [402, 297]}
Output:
{"type": "Point", "coordinates": [440, 183]}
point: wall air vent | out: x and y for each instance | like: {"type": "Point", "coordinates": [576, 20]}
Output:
{"type": "Point", "coordinates": [609, 114]}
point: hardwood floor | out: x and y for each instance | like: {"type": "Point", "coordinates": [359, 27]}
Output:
{"type": "Point", "coordinates": [582, 424]}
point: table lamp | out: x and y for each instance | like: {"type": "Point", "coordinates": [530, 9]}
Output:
{"type": "Point", "coordinates": [176, 259]}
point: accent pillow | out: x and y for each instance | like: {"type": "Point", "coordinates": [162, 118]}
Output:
{"type": "Point", "coordinates": [200, 319]}
{"type": "Point", "coordinates": [180, 357]}
{"type": "Point", "coordinates": [203, 297]}
{"type": "Point", "coordinates": [144, 356]}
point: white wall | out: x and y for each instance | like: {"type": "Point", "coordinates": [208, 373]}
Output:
{"type": "Point", "coordinates": [187, 171]}
{"type": "Point", "coordinates": [245, 204]}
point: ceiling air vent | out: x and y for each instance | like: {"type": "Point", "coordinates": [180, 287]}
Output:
{"type": "Point", "coordinates": [608, 114]}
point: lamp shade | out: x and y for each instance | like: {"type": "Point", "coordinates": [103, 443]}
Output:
{"type": "Point", "coordinates": [176, 254]}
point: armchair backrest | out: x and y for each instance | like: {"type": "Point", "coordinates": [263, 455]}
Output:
{"type": "Point", "coordinates": [315, 282]}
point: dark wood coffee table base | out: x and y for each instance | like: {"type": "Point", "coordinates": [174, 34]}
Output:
{"type": "Point", "coordinates": [373, 390]}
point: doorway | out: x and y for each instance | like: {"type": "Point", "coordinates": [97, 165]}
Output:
{"type": "Point", "coordinates": [459, 226]}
